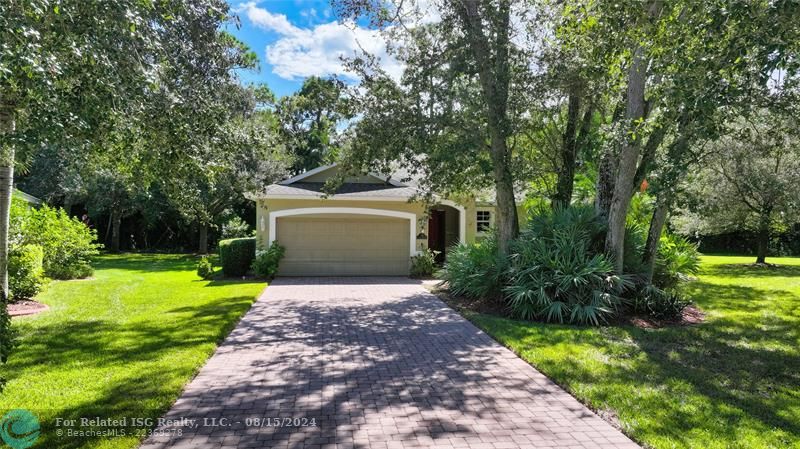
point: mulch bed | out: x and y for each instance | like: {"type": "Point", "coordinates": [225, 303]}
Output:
{"type": "Point", "coordinates": [485, 306]}
{"type": "Point", "coordinates": [26, 307]}
{"type": "Point", "coordinates": [691, 315]}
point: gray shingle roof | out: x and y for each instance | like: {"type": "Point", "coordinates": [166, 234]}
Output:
{"type": "Point", "coordinates": [350, 189]}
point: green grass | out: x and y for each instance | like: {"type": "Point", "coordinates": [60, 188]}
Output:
{"type": "Point", "coordinates": [122, 344]}
{"type": "Point", "coordinates": [731, 382]}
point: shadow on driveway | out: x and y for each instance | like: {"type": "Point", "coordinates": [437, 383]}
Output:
{"type": "Point", "coordinates": [372, 363]}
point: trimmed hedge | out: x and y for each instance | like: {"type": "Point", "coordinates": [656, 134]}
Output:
{"type": "Point", "coordinates": [236, 255]}
{"type": "Point", "coordinates": [25, 271]}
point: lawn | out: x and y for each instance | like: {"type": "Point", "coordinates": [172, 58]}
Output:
{"type": "Point", "coordinates": [122, 344]}
{"type": "Point", "coordinates": [731, 382]}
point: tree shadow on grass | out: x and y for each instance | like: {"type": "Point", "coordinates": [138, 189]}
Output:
{"type": "Point", "coordinates": [148, 362]}
{"type": "Point", "coordinates": [146, 262]}
{"type": "Point", "coordinates": [743, 367]}
{"type": "Point", "coordinates": [752, 271]}
{"type": "Point", "coordinates": [742, 364]}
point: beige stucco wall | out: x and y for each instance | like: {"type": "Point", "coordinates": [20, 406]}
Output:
{"type": "Point", "coordinates": [265, 206]}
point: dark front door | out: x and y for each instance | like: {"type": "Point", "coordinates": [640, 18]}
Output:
{"type": "Point", "coordinates": [436, 233]}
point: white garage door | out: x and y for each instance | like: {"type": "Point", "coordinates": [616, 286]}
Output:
{"type": "Point", "coordinates": [343, 245]}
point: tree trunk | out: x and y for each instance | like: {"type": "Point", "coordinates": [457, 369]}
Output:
{"type": "Point", "coordinates": [116, 224]}
{"type": "Point", "coordinates": [569, 150]}
{"type": "Point", "coordinates": [635, 113]}
{"type": "Point", "coordinates": [202, 247]}
{"type": "Point", "coordinates": [628, 158]}
{"type": "Point", "coordinates": [649, 154]}
{"type": "Point", "coordinates": [605, 183]}
{"type": "Point", "coordinates": [7, 126]}
{"type": "Point", "coordinates": [494, 74]}
{"type": "Point", "coordinates": [654, 236]}
{"type": "Point", "coordinates": [763, 236]}
{"type": "Point", "coordinates": [507, 223]}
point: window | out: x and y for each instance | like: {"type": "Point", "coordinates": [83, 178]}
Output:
{"type": "Point", "coordinates": [483, 221]}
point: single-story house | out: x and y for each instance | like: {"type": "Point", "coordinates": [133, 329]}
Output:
{"type": "Point", "coordinates": [371, 225]}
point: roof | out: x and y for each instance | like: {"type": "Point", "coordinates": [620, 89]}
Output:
{"type": "Point", "coordinates": [348, 190]}
{"type": "Point", "coordinates": [400, 186]}
{"type": "Point", "coordinates": [30, 199]}
{"type": "Point", "coordinates": [301, 176]}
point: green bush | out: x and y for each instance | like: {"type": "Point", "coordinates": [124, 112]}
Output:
{"type": "Point", "coordinates": [678, 259]}
{"type": "Point", "coordinates": [558, 274]}
{"type": "Point", "coordinates": [204, 268]}
{"type": "Point", "coordinates": [659, 304]}
{"type": "Point", "coordinates": [236, 255]}
{"type": "Point", "coordinates": [423, 263]}
{"type": "Point", "coordinates": [475, 271]}
{"type": "Point", "coordinates": [25, 271]}
{"type": "Point", "coordinates": [235, 228]}
{"type": "Point", "coordinates": [68, 244]}
{"type": "Point", "coordinates": [266, 262]}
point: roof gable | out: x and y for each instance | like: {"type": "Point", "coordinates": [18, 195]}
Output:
{"type": "Point", "coordinates": [325, 172]}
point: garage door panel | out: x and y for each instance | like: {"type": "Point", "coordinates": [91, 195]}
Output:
{"type": "Point", "coordinates": [343, 245]}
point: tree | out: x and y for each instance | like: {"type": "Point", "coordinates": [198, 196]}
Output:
{"type": "Point", "coordinates": [463, 70]}
{"type": "Point", "coordinates": [750, 181]}
{"type": "Point", "coordinates": [60, 70]}
{"type": "Point", "coordinates": [667, 98]}
{"type": "Point", "coordinates": [310, 120]}
{"type": "Point", "coordinates": [243, 158]}
{"type": "Point", "coordinates": [65, 76]}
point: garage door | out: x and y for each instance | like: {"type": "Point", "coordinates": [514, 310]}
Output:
{"type": "Point", "coordinates": [343, 245]}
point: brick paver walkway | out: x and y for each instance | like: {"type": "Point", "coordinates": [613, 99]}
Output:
{"type": "Point", "coordinates": [372, 363]}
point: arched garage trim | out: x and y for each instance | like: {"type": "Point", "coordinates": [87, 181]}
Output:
{"type": "Point", "coordinates": [412, 218]}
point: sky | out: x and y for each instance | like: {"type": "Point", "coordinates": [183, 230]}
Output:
{"type": "Point", "coordinates": [295, 39]}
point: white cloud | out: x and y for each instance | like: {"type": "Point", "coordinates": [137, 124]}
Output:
{"type": "Point", "coordinates": [302, 52]}
{"type": "Point", "coordinates": [268, 21]}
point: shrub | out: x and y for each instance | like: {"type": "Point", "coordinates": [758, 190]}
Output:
{"type": "Point", "coordinates": [476, 270]}
{"type": "Point", "coordinates": [542, 222]}
{"type": "Point", "coordinates": [677, 260]}
{"type": "Point", "coordinates": [68, 244]}
{"type": "Point", "coordinates": [235, 228]}
{"type": "Point", "coordinates": [659, 304]}
{"type": "Point", "coordinates": [266, 262]}
{"type": "Point", "coordinates": [25, 271]}
{"type": "Point", "coordinates": [634, 247]}
{"type": "Point", "coordinates": [236, 255]}
{"type": "Point", "coordinates": [557, 272]}
{"type": "Point", "coordinates": [423, 263]}
{"type": "Point", "coordinates": [204, 268]}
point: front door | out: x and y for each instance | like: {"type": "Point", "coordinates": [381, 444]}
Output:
{"type": "Point", "coordinates": [436, 233]}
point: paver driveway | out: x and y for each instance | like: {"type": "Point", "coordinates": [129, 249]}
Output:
{"type": "Point", "coordinates": [375, 363]}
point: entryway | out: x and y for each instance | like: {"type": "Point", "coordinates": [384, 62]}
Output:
{"type": "Point", "coordinates": [444, 230]}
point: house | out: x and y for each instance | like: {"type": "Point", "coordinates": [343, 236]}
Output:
{"type": "Point", "coordinates": [371, 225]}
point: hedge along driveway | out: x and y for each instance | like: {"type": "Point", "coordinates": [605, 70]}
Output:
{"type": "Point", "coordinates": [122, 344]}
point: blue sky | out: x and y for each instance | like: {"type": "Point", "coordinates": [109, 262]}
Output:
{"type": "Point", "coordinates": [295, 39]}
